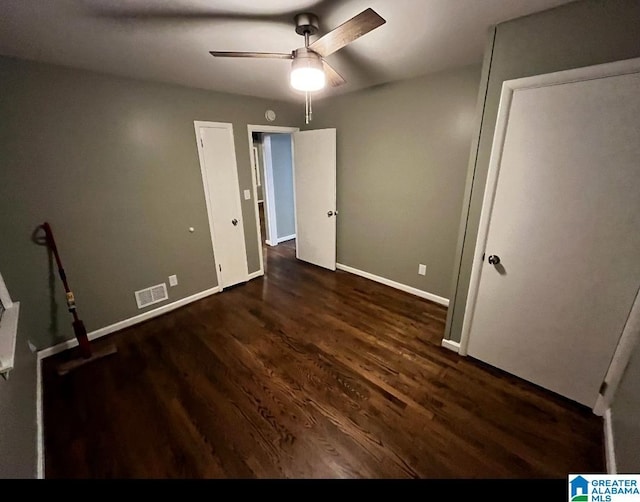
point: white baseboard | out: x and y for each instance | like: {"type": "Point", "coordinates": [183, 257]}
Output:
{"type": "Point", "coordinates": [269, 243]}
{"type": "Point", "coordinates": [388, 282]}
{"type": "Point", "coordinates": [286, 238]}
{"type": "Point", "coordinates": [39, 420]}
{"type": "Point", "coordinates": [258, 273]}
{"type": "Point", "coordinates": [107, 330]}
{"type": "Point", "coordinates": [451, 345]}
{"type": "Point", "coordinates": [609, 448]}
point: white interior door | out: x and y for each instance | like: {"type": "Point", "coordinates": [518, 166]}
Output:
{"type": "Point", "coordinates": [565, 224]}
{"type": "Point", "coordinates": [222, 193]}
{"type": "Point", "coordinates": [315, 196]}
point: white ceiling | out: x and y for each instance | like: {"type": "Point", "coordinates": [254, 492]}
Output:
{"type": "Point", "coordinates": [169, 40]}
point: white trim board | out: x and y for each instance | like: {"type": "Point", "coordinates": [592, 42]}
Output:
{"type": "Point", "coordinates": [8, 335]}
{"type": "Point", "coordinates": [609, 447]}
{"type": "Point", "coordinates": [388, 282]}
{"type": "Point", "coordinates": [39, 420]}
{"type": "Point", "coordinates": [8, 329]}
{"type": "Point", "coordinates": [112, 328]}
{"type": "Point", "coordinates": [271, 223]}
{"type": "Point", "coordinates": [286, 238]}
{"type": "Point", "coordinates": [451, 345]}
{"type": "Point", "coordinates": [628, 340]}
{"type": "Point", "coordinates": [255, 274]}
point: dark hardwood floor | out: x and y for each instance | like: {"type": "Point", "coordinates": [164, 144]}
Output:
{"type": "Point", "coordinates": [305, 373]}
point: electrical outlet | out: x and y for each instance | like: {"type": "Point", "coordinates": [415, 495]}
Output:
{"type": "Point", "coordinates": [173, 280]}
{"type": "Point", "coordinates": [422, 269]}
{"type": "Point", "coordinates": [247, 194]}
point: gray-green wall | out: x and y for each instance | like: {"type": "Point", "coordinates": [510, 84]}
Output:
{"type": "Point", "coordinates": [578, 34]}
{"type": "Point", "coordinates": [112, 164]}
{"type": "Point", "coordinates": [402, 152]}
{"type": "Point", "coordinates": [281, 161]}
{"type": "Point", "coordinates": [625, 413]}
{"type": "Point", "coordinates": [18, 430]}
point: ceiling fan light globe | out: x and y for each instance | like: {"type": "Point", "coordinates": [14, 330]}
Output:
{"type": "Point", "coordinates": [308, 79]}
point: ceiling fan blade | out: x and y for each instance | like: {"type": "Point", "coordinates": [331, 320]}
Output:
{"type": "Point", "coordinates": [347, 32]}
{"type": "Point", "coordinates": [262, 55]}
{"type": "Point", "coordinates": [333, 77]}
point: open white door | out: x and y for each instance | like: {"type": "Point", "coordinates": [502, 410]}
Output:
{"type": "Point", "coordinates": [315, 196]}
{"type": "Point", "coordinates": [557, 268]}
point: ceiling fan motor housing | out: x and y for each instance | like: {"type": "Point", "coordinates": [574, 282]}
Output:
{"type": "Point", "coordinates": [306, 23]}
{"type": "Point", "coordinates": [306, 56]}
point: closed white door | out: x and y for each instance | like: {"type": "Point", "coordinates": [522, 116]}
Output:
{"type": "Point", "coordinates": [222, 193]}
{"type": "Point", "coordinates": [315, 196]}
{"type": "Point", "coordinates": [560, 229]}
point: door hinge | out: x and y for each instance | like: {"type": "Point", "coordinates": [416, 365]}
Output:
{"type": "Point", "coordinates": [483, 256]}
{"type": "Point", "coordinates": [220, 267]}
{"type": "Point", "coordinates": [201, 143]}
{"type": "Point", "coordinates": [603, 388]}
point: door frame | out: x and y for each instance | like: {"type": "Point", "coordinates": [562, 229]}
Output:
{"type": "Point", "coordinates": [628, 337]}
{"type": "Point", "coordinates": [197, 124]}
{"type": "Point", "coordinates": [258, 169]}
{"type": "Point", "coordinates": [267, 182]}
{"type": "Point", "coordinates": [268, 193]}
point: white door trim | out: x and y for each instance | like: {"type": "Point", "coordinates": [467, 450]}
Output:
{"type": "Point", "coordinates": [257, 168]}
{"type": "Point", "coordinates": [197, 124]}
{"type": "Point", "coordinates": [508, 88]}
{"type": "Point", "coordinates": [269, 195]}
{"type": "Point", "coordinates": [251, 128]}
{"type": "Point", "coordinates": [628, 340]}
{"type": "Point", "coordinates": [293, 180]}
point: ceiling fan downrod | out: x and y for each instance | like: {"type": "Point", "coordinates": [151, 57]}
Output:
{"type": "Point", "coordinates": [307, 25]}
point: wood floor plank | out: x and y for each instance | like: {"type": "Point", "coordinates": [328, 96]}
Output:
{"type": "Point", "coordinates": [305, 373]}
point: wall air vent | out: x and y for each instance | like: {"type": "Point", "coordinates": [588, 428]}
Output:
{"type": "Point", "coordinates": [149, 296]}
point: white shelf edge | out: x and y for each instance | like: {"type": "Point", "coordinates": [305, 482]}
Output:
{"type": "Point", "coordinates": [8, 333]}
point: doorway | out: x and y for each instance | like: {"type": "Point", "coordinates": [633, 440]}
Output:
{"type": "Point", "coordinates": [272, 165]}
{"type": "Point", "coordinates": [312, 172]}
{"type": "Point", "coordinates": [273, 172]}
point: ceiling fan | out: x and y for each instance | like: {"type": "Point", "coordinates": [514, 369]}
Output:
{"type": "Point", "coordinates": [309, 69]}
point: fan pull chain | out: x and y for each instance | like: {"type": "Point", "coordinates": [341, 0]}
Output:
{"type": "Point", "coordinates": [307, 97]}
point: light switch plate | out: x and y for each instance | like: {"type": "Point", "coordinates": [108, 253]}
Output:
{"type": "Point", "coordinates": [422, 269]}
{"type": "Point", "coordinates": [247, 194]}
{"type": "Point", "coordinates": [173, 280]}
